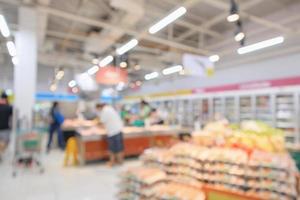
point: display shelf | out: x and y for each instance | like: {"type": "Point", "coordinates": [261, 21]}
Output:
{"type": "Point", "coordinates": [230, 109]}
{"type": "Point", "coordinates": [286, 115]}
{"type": "Point", "coordinates": [246, 108]}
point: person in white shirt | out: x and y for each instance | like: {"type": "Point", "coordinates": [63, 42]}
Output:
{"type": "Point", "coordinates": [113, 125]}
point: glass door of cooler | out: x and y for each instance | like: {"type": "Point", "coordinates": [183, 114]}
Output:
{"type": "Point", "coordinates": [246, 105]}
{"type": "Point", "coordinates": [218, 108]}
{"type": "Point", "coordinates": [286, 115]}
{"type": "Point", "coordinates": [188, 113]}
{"type": "Point", "coordinates": [180, 112]}
{"type": "Point", "coordinates": [263, 109]}
{"type": "Point", "coordinates": [205, 113]}
{"type": "Point", "coordinates": [230, 109]}
{"type": "Point", "coordinates": [196, 110]}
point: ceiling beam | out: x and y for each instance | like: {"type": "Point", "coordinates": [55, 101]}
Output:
{"type": "Point", "coordinates": [259, 20]}
{"type": "Point", "coordinates": [254, 32]}
{"type": "Point", "coordinates": [217, 19]}
{"type": "Point", "coordinates": [102, 24]}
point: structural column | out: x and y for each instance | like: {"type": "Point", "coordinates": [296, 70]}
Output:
{"type": "Point", "coordinates": [26, 69]}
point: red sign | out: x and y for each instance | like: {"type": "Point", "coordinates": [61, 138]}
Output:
{"type": "Point", "coordinates": [111, 75]}
{"type": "Point", "coordinates": [251, 85]}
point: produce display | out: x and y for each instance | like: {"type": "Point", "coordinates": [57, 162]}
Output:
{"type": "Point", "coordinates": [265, 174]}
{"type": "Point", "coordinates": [151, 183]}
{"type": "Point", "coordinates": [249, 136]}
{"type": "Point", "coordinates": [247, 159]}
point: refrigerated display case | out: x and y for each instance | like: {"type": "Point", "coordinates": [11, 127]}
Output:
{"type": "Point", "coordinates": [263, 109]}
{"type": "Point", "coordinates": [246, 108]}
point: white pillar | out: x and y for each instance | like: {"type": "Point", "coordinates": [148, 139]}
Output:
{"type": "Point", "coordinates": [26, 69]}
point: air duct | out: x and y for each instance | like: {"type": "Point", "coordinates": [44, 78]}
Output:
{"type": "Point", "coordinates": [97, 43]}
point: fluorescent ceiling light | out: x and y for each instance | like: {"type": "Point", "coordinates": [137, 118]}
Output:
{"type": "Point", "coordinates": [126, 47]}
{"type": "Point", "coordinates": [53, 87]}
{"type": "Point", "coordinates": [105, 61]}
{"type": "Point", "coordinates": [214, 58]}
{"type": "Point", "coordinates": [3, 27]}
{"type": "Point", "coordinates": [238, 37]}
{"type": "Point", "coordinates": [60, 75]}
{"type": "Point", "coordinates": [261, 45]}
{"type": "Point", "coordinates": [93, 70]}
{"type": "Point", "coordinates": [151, 75]}
{"type": "Point", "coordinates": [167, 20]}
{"type": "Point", "coordinates": [173, 69]}
{"type": "Point", "coordinates": [15, 60]}
{"type": "Point", "coordinates": [72, 83]}
{"type": "Point", "coordinates": [233, 17]}
{"type": "Point", "coordinates": [11, 48]}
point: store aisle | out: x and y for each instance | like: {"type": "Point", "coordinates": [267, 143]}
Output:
{"type": "Point", "coordinates": [94, 181]}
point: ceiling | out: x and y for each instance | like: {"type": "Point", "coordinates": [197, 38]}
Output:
{"type": "Point", "coordinates": [77, 31]}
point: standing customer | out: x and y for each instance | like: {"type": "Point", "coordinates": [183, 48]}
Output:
{"type": "Point", "coordinates": [56, 120]}
{"type": "Point", "coordinates": [5, 121]}
{"type": "Point", "coordinates": [114, 125]}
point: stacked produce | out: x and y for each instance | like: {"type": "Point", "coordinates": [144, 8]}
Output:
{"type": "Point", "coordinates": [140, 183]}
{"type": "Point", "coordinates": [249, 136]}
{"type": "Point", "coordinates": [265, 174]}
{"type": "Point", "coordinates": [151, 183]}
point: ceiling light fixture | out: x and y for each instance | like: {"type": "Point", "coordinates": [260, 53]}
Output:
{"type": "Point", "coordinates": [233, 16]}
{"type": "Point", "coordinates": [239, 36]}
{"type": "Point", "coordinates": [126, 47]}
{"type": "Point", "coordinates": [173, 69]}
{"type": "Point", "coordinates": [95, 61]}
{"type": "Point", "coordinates": [72, 83]}
{"type": "Point", "coordinates": [53, 87]}
{"type": "Point", "coordinates": [105, 61]}
{"type": "Point", "coordinates": [4, 27]}
{"type": "Point", "coordinates": [15, 60]}
{"type": "Point", "coordinates": [60, 74]}
{"type": "Point", "coordinates": [152, 75]}
{"type": "Point", "coordinates": [261, 45]}
{"type": "Point", "coordinates": [214, 58]}
{"type": "Point", "coordinates": [11, 48]}
{"type": "Point", "coordinates": [137, 67]}
{"type": "Point", "coordinates": [93, 70]}
{"type": "Point", "coordinates": [123, 64]}
{"type": "Point", "coordinates": [167, 20]}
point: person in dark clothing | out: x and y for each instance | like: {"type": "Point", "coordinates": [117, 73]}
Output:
{"type": "Point", "coordinates": [5, 118]}
{"type": "Point", "coordinates": [55, 125]}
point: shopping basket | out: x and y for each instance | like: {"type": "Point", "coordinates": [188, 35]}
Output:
{"type": "Point", "coordinates": [28, 152]}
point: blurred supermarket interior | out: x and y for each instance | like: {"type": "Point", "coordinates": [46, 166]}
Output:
{"type": "Point", "coordinates": [150, 99]}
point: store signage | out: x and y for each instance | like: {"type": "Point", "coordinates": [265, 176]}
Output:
{"type": "Point", "coordinates": [111, 75]}
{"type": "Point", "coordinates": [195, 65]}
{"type": "Point", "coordinates": [251, 85]}
{"type": "Point", "coordinates": [49, 96]}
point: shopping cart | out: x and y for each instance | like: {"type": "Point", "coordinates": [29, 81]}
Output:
{"type": "Point", "coordinates": [28, 152]}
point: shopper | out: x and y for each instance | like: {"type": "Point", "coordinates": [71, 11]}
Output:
{"type": "Point", "coordinates": [114, 125]}
{"type": "Point", "coordinates": [5, 121]}
{"type": "Point", "coordinates": [56, 120]}
{"type": "Point", "coordinates": [145, 109]}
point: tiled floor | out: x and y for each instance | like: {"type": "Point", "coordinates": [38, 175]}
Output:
{"type": "Point", "coordinates": [91, 182]}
